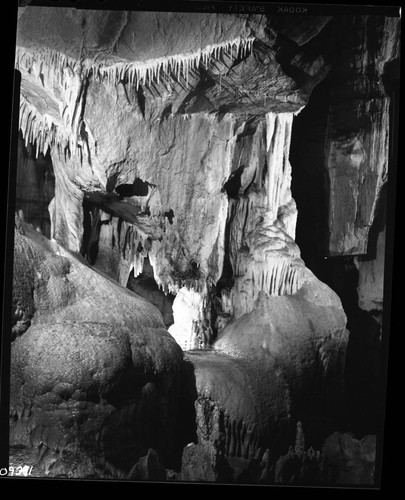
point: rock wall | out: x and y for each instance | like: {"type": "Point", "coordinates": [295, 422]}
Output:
{"type": "Point", "coordinates": [357, 155]}
{"type": "Point", "coordinates": [342, 154]}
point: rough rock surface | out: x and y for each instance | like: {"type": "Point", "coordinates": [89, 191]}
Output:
{"type": "Point", "coordinates": [358, 133]}
{"type": "Point", "coordinates": [282, 360]}
{"type": "Point", "coordinates": [371, 277]}
{"type": "Point", "coordinates": [347, 460]}
{"type": "Point", "coordinates": [301, 337]}
{"type": "Point", "coordinates": [95, 377]}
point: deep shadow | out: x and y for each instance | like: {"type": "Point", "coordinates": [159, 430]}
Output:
{"type": "Point", "coordinates": [186, 424]}
{"type": "Point", "coordinates": [146, 286]}
{"type": "Point", "coordinates": [308, 178]}
{"type": "Point", "coordinates": [91, 232]}
{"type": "Point", "coordinates": [233, 184]}
{"type": "Point", "coordinates": [35, 186]}
{"type": "Point", "coordinates": [363, 409]}
{"type": "Point", "coordinates": [137, 188]}
{"type": "Point", "coordinates": [364, 399]}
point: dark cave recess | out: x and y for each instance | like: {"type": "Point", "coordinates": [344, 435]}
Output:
{"type": "Point", "coordinates": [35, 186]}
{"type": "Point", "coordinates": [364, 407]}
{"type": "Point", "coordinates": [146, 286]}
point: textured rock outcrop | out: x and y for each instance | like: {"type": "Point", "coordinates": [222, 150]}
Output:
{"type": "Point", "coordinates": [283, 359]}
{"type": "Point", "coordinates": [371, 276]}
{"type": "Point", "coordinates": [347, 460]}
{"type": "Point", "coordinates": [95, 378]}
{"type": "Point", "coordinates": [35, 188]}
{"type": "Point", "coordinates": [301, 336]}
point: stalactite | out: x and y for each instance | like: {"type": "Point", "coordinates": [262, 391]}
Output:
{"type": "Point", "coordinates": [42, 130]}
{"type": "Point", "coordinates": [180, 65]}
{"type": "Point", "coordinates": [275, 275]}
{"type": "Point", "coordinates": [39, 130]}
{"type": "Point", "coordinates": [51, 67]}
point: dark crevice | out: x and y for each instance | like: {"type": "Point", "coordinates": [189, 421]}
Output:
{"type": "Point", "coordinates": [264, 172]}
{"type": "Point", "coordinates": [169, 215]}
{"type": "Point", "coordinates": [85, 137]}
{"type": "Point", "coordinates": [145, 286]}
{"type": "Point", "coordinates": [137, 188]}
{"type": "Point", "coordinates": [391, 76]}
{"type": "Point", "coordinates": [250, 127]}
{"type": "Point", "coordinates": [309, 181]}
{"type": "Point", "coordinates": [233, 184]}
{"type": "Point", "coordinates": [141, 100]}
{"type": "Point", "coordinates": [166, 113]}
{"type": "Point", "coordinates": [186, 423]}
{"type": "Point", "coordinates": [226, 281]}
{"type": "Point", "coordinates": [377, 226]}
{"type": "Point", "coordinates": [196, 100]}
{"type": "Point", "coordinates": [91, 232]}
{"type": "Point", "coordinates": [223, 111]}
{"type": "Point", "coordinates": [81, 104]}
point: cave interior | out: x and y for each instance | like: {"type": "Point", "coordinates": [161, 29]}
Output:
{"type": "Point", "coordinates": [199, 265]}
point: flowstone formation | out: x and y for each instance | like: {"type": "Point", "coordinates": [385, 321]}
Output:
{"type": "Point", "coordinates": [94, 372]}
{"type": "Point", "coordinates": [171, 283]}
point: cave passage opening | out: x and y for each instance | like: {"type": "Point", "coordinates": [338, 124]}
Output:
{"type": "Point", "coordinates": [137, 188]}
{"type": "Point", "coordinates": [364, 407]}
{"type": "Point", "coordinates": [35, 187]}
{"type": "Point", "coordinates": [146, 287]}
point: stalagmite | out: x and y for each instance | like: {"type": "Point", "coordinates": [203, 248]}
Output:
{"type": "Point", "coordinates": [189, 311]}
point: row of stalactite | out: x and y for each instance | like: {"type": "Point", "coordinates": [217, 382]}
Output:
{"type": "Point", "coordinates": [50, 67]}
{"type": "Point", "coordinates": [275, 277]}
{"type": "Point", "coordinates": [179, 65]}
{"type": "Point", "coordinates": [37, 130]}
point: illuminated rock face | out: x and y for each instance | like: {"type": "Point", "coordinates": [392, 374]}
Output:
{"type": "Point", "coordinates": [171, 164]}
{"type": "Point", "coordinates": [171, 125]}
{"type": "Point", "coordinates": [263, 254]}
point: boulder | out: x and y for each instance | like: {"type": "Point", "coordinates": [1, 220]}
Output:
{"type": "Point", "coordinates": [96, 372]}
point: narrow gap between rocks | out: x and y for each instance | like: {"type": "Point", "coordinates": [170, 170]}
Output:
{"type": "Point", "coordinates": [35, 187]}
{"type": "Point", "coordinates": [145, 286]}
